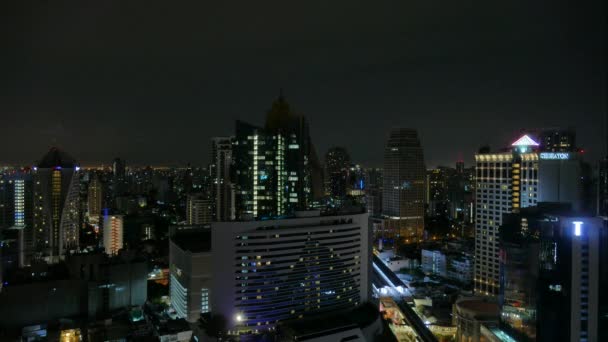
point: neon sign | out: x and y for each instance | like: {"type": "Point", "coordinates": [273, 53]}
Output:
{"type": "Point", "coordinates": [578, 228]}
{"type": "Point", "coordinates": [525, 141]}
{"type": "Point", "coordinates": [555, 155]}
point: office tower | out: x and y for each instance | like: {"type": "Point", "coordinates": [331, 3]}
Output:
{"type": "Point", "coordinates": [576, 267]}
{"type": "Point", "coordinates": [17, 208]}
{"type": "Point", "coordinates": [113, 233]}
{"type": "Point", "coordinates": [558, 140]}
{"type": "Point", "coordinates": [119, 177]}
{"type": "Point", "coordinates": [273, 172]}
{"type": "Point", "coordinates": [373, 191]}
{"type": "Point", "coordinates": [268, 271]}
{"type": "Point", "coordinates": [460, 167]}
{"type": "Point", "coordinates": [508, 181]}
{"type": "Point", "coordinates": [337, 164]}
{"type": "Point", "coordinates": [190, 258]}
{"type": "Point", "coordinates": [520, 266]}
{"type": "Point", "coordinates": [94, 200]}
{"type": "Point", "coordinates": [439, 183]}
{"type": "Point", "coordinates": [403, 189]}
{"type": "Point", "coordinates": [57, 205]}
{"type": "Point", "coordinates": [222, 187]}
{"type": "Point", "coordinates": [198, 209]}
{"type": "Point", "coordinates": [317, 178]}
{"type": "Point", "coordinates": [374, 178]}
{"type": "Point", "coordinates": [356, 183]}
{"type": "Point", "coordinates": [553, 272]}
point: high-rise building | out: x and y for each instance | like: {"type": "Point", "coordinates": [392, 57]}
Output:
{"type": "Point", "coordinates": [119, 177]}
{"type": "Point", "coordinates": [113, 233]}
{"type": "Point", "coordinates": [508, 181]}
{"type": "Point", "coordinates": [222, 187]}
{"type": "Point", "coordinates": [558, 140]}
{"type": "Point", "coordinates": [198, 209]}
{"type": "Point", "coordinates": [94, 200]}
{"type": "Point", "coordinates": [552, 275]}
{"type": "Point", "coordinates": [269, 271]}
{"type": "Point", "coordinates": [16, 190]}
{"type": "Point", "coordinates": [337, 164]}
{"type": "Point", "coordinates": [404, 185]}
{"type": "Point", "coordinates": [273, 165]}
{"type": "Point", "coordinates": [373, 191]}
{"type": "Point", "coordinates": [57, 205]}
{"type": "Point", "coordinates": [520, 265]}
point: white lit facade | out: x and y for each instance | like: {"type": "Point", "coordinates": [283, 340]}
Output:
{"type": "Point", "coordinates": [190, 276]}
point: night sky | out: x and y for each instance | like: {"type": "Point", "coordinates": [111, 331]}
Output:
{"type": "Point", "coordinates": [152, 81]}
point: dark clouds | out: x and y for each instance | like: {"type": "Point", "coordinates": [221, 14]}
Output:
{"type": "Point", "coordinates": [152, 81]}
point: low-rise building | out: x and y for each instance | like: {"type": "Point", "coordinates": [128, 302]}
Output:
{"type": "Point", "coordinates": [190, 272]}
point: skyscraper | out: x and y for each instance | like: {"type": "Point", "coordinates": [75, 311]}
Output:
{"type": "Point", "coordinates": [552, 275]}
{"type": "Point", "coordinates": [16, 204]}
{"type": "Point", "coordinates": [404, 185]}
{"type": "Point", "coordinates": [273, 168]}
{"type": "Point", "coordinates": [558, 140]}
{"type": "Point", "coordinates": [508, 181]}
{"type": "Point", "coordinates": [113, 233]}
{"type": "Point", "coordinates": [373, 191]}
{"type": "Point", "coordinates": [119, 177]}
{"type": "Point", "coordinates": [94, 199]}
{"type": "Point", "coordinates": [222, 187]}
{"type": "Point", "coordinates": [198, 209]}
{"type": "Point", "coordinates": [57, 203]}
{"type": "Point", "coordinates": [337, 163]}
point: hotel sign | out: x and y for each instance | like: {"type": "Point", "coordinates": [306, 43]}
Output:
{"type": "Point", "coordinates": [555, 155]}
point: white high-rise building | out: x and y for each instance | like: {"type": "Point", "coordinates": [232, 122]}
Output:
{"type": "Point", "coordinates": [113, 233]}
{"type": "Point", "coordinates": [508, 181]}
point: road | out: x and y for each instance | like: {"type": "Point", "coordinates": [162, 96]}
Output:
{"type": "Point", "coordinates": [383, 279]}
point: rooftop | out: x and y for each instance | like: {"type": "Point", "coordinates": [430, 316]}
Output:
{"type": "Point", "coordinates": [361, 316]}
{"type": "Point", "coordinates": [194, 241]}
{"type": "Point", "coordinates": [56, 158]}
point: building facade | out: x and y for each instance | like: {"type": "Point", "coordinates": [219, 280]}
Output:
{"type": "Point", "coordinates": [57, 206]}
{"type": "Point", "coordinates": [404, 186]}
{"type": "Point", "coordinates": [113, 233]}
{"type": "Point", "coordinates": [199, 209]}
{"type": "Point", "coordinates": [508, 181]}
{"type": "Point", "coordinates": [94, 200]}
{"type": "Point", "coordinates": [222, 188]}
{"type": "Point", "coordinates": [269, 271]}
{"type": "Point", "coordinates": [274, 166]}
{"type": "Point", "coordinates": [337, 163]}
{"type": "Point", "coordinates": [190, 267]}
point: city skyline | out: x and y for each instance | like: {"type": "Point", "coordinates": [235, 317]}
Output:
{"type": "Point", "coordinates": [391, 171]}
{"type": "Point", "coordinates": [407, 65]}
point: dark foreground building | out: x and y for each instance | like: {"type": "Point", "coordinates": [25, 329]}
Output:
{"type": "Point", "coordinates": [553, 270]}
